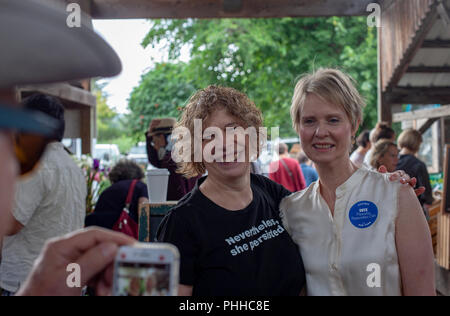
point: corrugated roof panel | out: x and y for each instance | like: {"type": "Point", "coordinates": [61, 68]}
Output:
{"type": "Point", "coordinates": [432, 57]}
{"type": "Point", "coordinates": [441, 80]}
{"type": "Point", "coordinates": [438, 31]}
{"type": "Point", "coordinates": [425, 80]}
{"type": "Point", "coordinates": [415, 80]}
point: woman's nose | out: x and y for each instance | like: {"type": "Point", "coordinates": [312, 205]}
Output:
{"type": "Point", "coordinates": [321, 130]}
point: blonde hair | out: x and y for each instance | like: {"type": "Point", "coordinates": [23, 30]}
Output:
{"type": "Point", "coordinates": [411, 139]}
{"type": "Point", "coordinates": [333, 86]}
{"type": "Point", "coordinates": [380, 149]}
{"type": "Point", "coordinates": [203, 103]}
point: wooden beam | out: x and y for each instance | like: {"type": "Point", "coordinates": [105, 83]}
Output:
{"type": "Point", "coordinates": [428, 69]}
{"type": "Point", "coordinates": [422, 114]}
{"type": "Point", "coordinates": [180, 9]}
{"type": "Point", "coordinates": [386, 4]}
{"type": "Point", "coordinates": [418, 95]}
{"type": "Point", "coordinates": [69, 94]}
{"type": "Point", "coordinates": [425, 126]}
{"type": "Point", "coordinates": [436, 44]}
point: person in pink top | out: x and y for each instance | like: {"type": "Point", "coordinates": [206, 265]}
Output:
{"type": "Point", "coordinates": [287, 171]}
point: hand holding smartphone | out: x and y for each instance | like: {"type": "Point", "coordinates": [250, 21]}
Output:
{"type": "Point", "coordinates": [147, 270]}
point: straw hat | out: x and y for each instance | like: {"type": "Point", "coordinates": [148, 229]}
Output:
{"type": "Point", "coordinates": [37, 46]}
{"type": "Point", "coordinates": [163, 126]}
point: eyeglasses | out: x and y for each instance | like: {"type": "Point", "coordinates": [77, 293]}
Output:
{"type": "Point", "coordinates": [32, 132]}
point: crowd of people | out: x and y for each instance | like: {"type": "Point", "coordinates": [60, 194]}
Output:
{"type": "Point", "coordinates": [239, 233]}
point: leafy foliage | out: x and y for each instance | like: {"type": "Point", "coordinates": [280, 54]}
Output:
{"type": "Point", "coordinates": [96, 180]}
{"type": "Point", "coordinates": [261, 57]}
{"type": "Point", "coordinates": [162, 93]}
{"type": "Point", "coordinates": [109, 123]}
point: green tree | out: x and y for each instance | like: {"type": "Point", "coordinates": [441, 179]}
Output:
{"type": "Point", "coordinates": [111, 126]}
{"type": "Point", "coordinates": [162, 92]}
{"type": "Point", "coordinates": [264, 57]}
{"type": "Point", "coordinates": [106, 129]}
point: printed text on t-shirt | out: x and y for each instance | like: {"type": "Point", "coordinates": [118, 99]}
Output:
{"type": "Point", "coordinates": [249, 239]}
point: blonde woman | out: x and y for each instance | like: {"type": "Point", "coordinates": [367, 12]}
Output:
{"type": "Point", "coordinates": [385, 153]}
{"type": "Point", "coordinates": [359, 233]}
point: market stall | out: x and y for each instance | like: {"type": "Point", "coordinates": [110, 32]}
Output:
{"type": "Point", "coordinates": [413, 62]}
{"type": "Point", "coordinates": [414, 59]}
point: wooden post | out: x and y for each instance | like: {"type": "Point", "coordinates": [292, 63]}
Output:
{"type": "Point", "coordinates": [150, 217]}
{"type": "Point", "coordinates": [384, 108]}
{"type": "Point", "coordinates": [87, 130]}
{"type": "Point", "coordinates": [443, 251]}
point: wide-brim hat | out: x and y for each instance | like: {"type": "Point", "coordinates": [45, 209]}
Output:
{"type": "Point", "coordinates": [38, 46]}
{"type": "Point", "coordinates": [163, 126]}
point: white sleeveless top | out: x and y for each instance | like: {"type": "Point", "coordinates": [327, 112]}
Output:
{"type": "Point", "coordinates": [353, 253]}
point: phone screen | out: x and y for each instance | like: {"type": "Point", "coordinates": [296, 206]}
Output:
{"type": "Point", "coordinates": [143, 279]}
{"type": "Point", "coordinates": [145, 272]}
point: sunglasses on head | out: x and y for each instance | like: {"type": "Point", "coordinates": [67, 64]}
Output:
{"type": "Point", "coordinates": [32, 132]}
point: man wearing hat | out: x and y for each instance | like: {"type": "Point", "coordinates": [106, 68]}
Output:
{"type": "Point", "coordinates": [39, 47]}
{"type": "Point", "coordinates": [159, 148]}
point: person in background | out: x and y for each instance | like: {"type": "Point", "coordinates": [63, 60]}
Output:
{"type": "Point", "coordinates": [385, 153]}
{"type": "Point", "coordinates": [255, 167]}
{"type": "Point", "coordinates": [309, 172]}
{"type": "Point", "coordinates": [409, 142]}
{"type": "Point", "coordinates": [159, 152]}
{"type": "Point", "coordinates": [48, 203]}
{"type": "Point", "coordinates": [381, 131]}
{"type": "Point", "coordinates": [31, 56]}
{"type": "Point", "coordinates": [286, 171]}
{"type": "Point", "coordinates": [364, 145]}
{"type": "Point", "coordinates": [112, 201]}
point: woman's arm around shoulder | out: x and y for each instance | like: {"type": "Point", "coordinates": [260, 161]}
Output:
{"type": "Point", "coordinates": [414, 246]}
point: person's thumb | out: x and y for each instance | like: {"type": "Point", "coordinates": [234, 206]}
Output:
{"type": "Point", "coordinates": [96, 260]}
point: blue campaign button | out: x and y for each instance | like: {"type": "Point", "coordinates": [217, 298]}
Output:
{"type": "Point", "coordinates": [363, 214]}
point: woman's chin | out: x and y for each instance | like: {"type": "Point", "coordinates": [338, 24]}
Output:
{"type": "Point", "coordinates": [232, 169]}
{"type": "Point", "coordinates": [322, 159]}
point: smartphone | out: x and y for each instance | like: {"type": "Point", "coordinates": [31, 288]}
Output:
{"type": "Point", "coordinates": [150, 269]}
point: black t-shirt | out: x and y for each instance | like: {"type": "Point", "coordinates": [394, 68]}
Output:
{"type": "Point", "coordinates": [416, 168]}
{"type": "Point", "coordinates": [228, 253]}
{"type": "Point", "coordinates": [112, 202]}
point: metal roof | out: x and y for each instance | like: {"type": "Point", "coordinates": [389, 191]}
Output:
{"type": "Point", "coordinates": [430, 67]}
{"type": "Point", "coordinates": [432, 57]}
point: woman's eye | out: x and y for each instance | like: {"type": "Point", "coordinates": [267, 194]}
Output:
{"type": "Point", "coordinates": [334, 120]}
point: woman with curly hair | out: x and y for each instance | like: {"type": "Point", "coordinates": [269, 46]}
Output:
{"type": "Point", "coordinates": [112, 201]}
{"type": "Point", "coordinates": [228, 228]}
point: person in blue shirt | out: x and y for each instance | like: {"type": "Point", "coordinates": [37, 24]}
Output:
{"type": "Point", "coordinates": [309, 172]}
